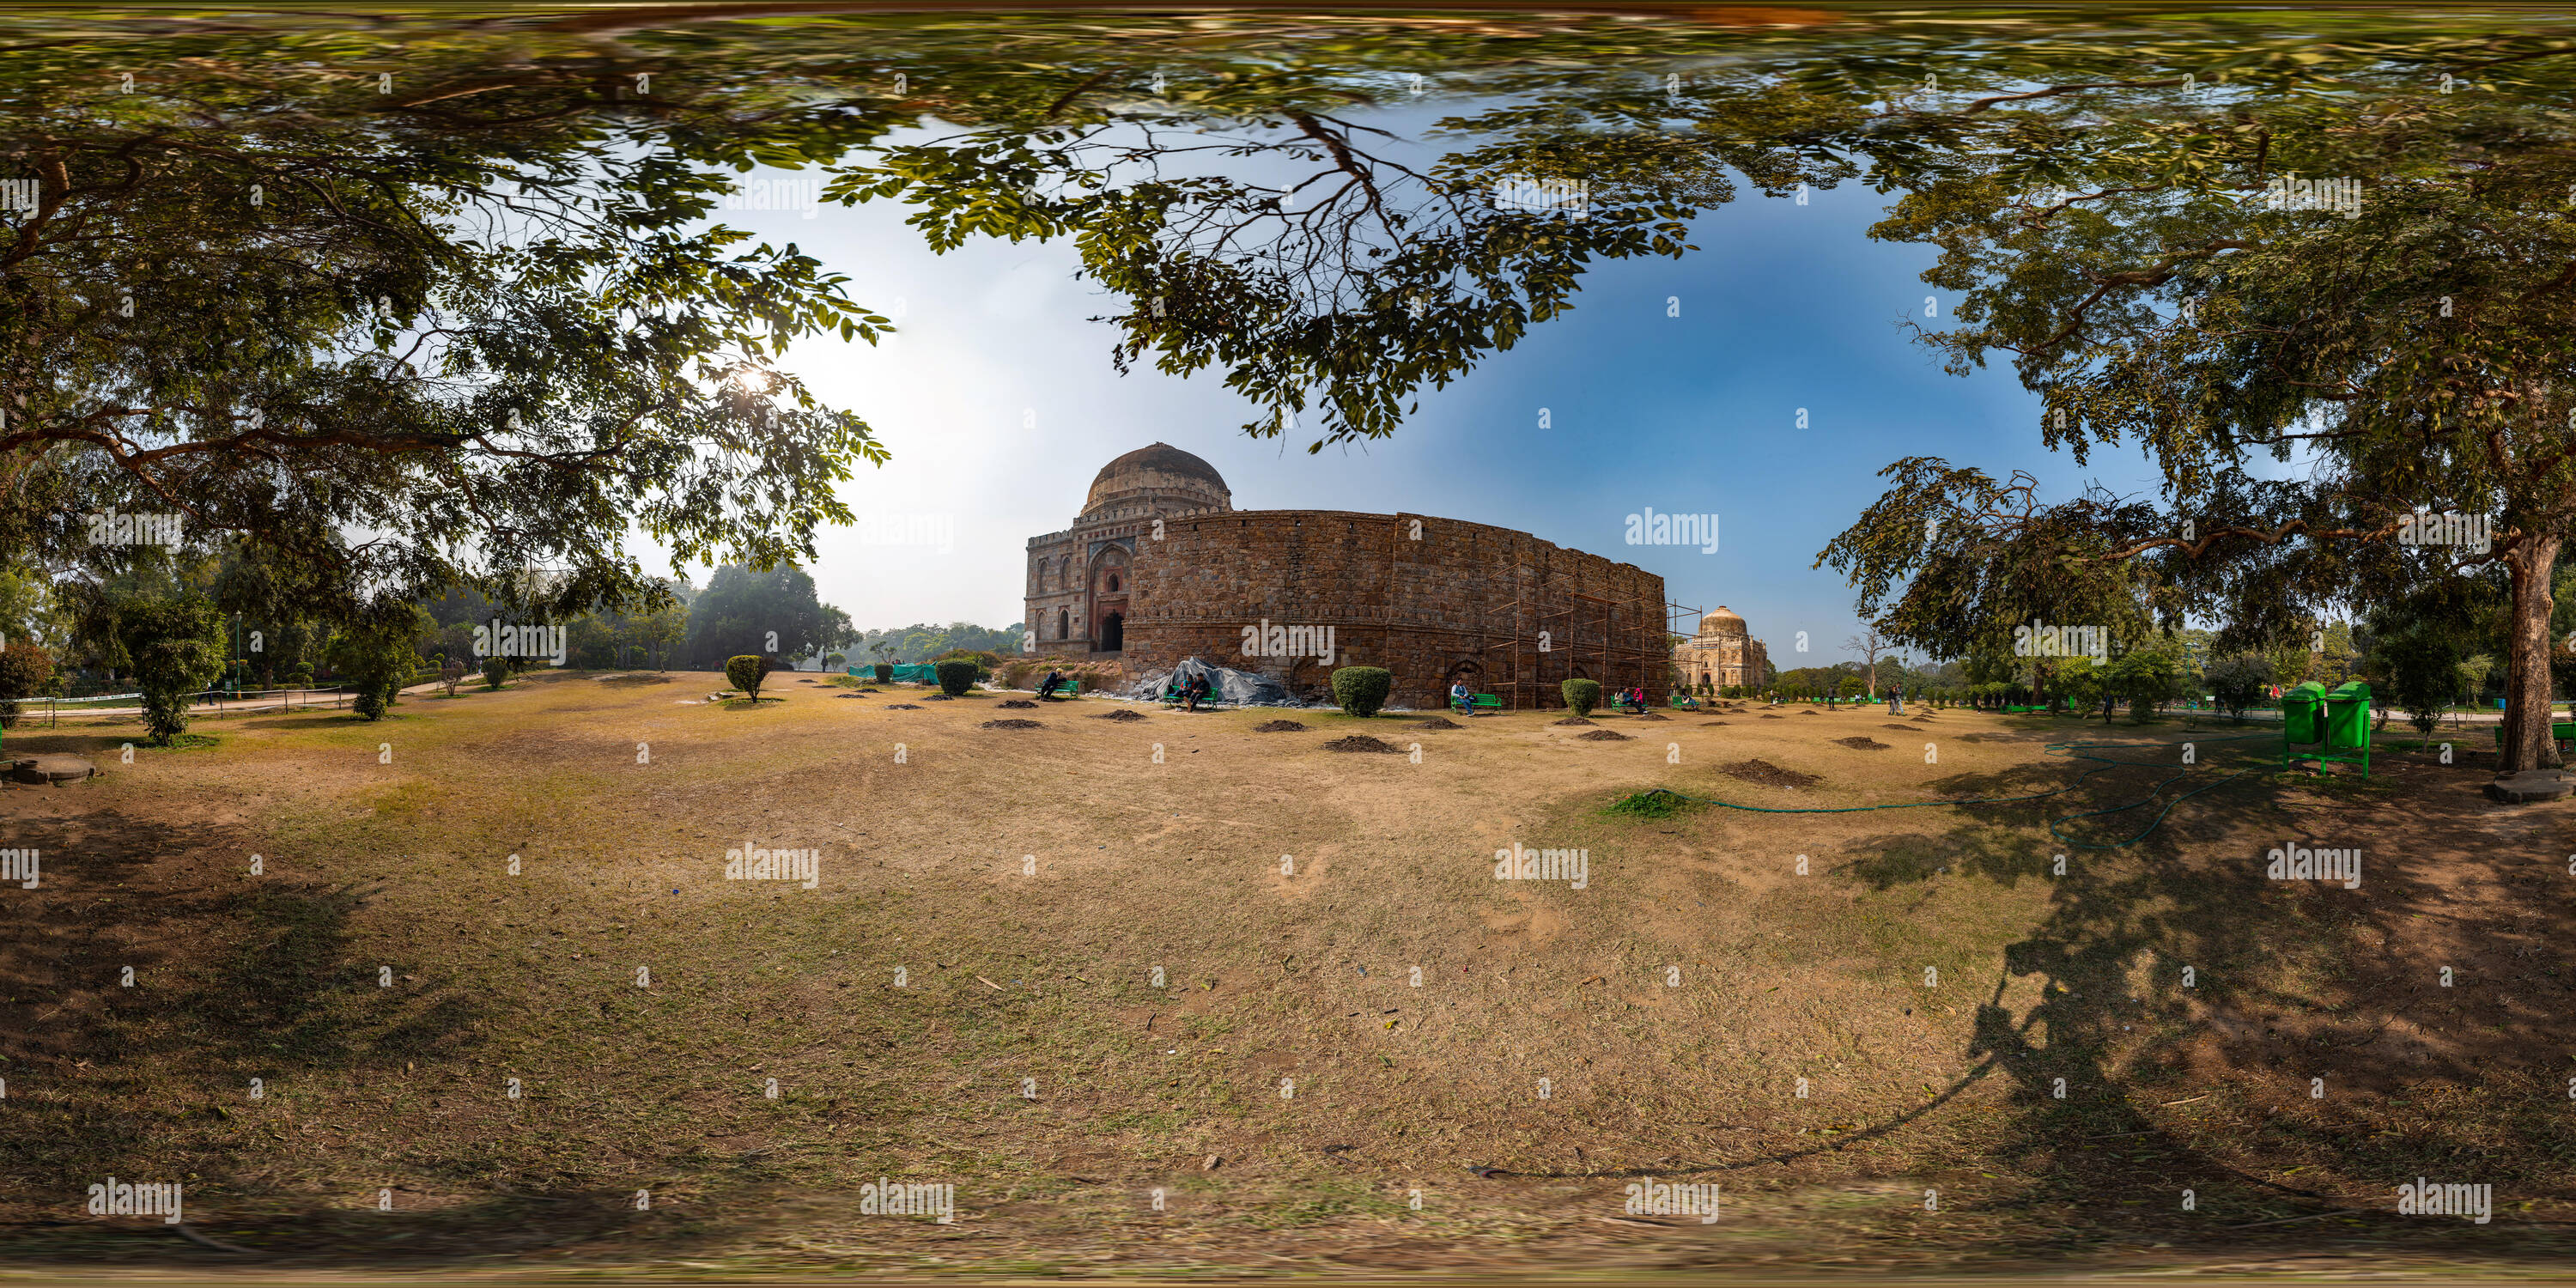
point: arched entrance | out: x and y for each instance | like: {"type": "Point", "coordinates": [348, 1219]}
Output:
{"type": "Point", "coordinates": [1063, 624]}
{"type": "Point", "coordinates": [1113, 632]}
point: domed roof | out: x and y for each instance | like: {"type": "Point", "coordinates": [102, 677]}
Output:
{"type": "Point", "coordinates": [1721, 622]}
{"type": "Point", "coordinates": [1160, 469]}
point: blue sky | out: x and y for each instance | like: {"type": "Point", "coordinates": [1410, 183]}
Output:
{"type": "Point", "coordinates": [999, 403]}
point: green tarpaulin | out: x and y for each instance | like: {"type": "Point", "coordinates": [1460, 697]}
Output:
{"type": "Point", "coordinates": [921, 674]}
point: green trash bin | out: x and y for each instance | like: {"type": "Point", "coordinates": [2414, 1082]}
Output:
{"type": "Point", "coordinates": [2348, 718]}
{"type": "Point", "coordinates": [2303, 713]}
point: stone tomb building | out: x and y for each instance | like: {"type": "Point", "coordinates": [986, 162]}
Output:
{"type": "Point", "coordinates": [1160, 567]}
{"type": "Point", "coordinates": [1722, 654]}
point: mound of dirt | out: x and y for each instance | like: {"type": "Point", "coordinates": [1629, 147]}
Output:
{"type": "Point", "coordinates": [1604, 735]}
{"type": "Point", "coordinates": [1438, 722]}
{"type": "Point", "coordinates": [1357, 742]}
{"type": "Point", "coordinates": [1574, 720]}
{"type": "Point", "coordinates": [937, 697]}
{"type": "Point", "coordinates": [1811, 712]}
{"type": "Point", "coordinates": [1279, 726]}
{"type": "Point", "coordinates": [846, 695]}
{"type": "Point", "coordinates": [1768, 716]}
{"type": "Point", "coordinates": [1022, 703]}
{"type": "Point", "coordinates": [1120, 714]}
{"type": "Point", "coordinates": [1708, 724]}
{"type": "Point", "coordinates": [902, 706]}
{"type": "Point", "coordinates": [1012, 724]}
{"type": "Point", "coordinates": [1770, 775]}
{"type": "Point", "coordinates": [867, 690]}
{"type": "Point", "coordinates": [1863, 743]}
{"type": "Point", "coordinates": [1652, 716]}
{"type": "Point", "coordinates": [1904, 728]}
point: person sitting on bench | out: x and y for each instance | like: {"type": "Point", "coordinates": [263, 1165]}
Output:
{"type": "Point", "coordinates": [1460, 700]}
{"type": "Point", "coordinates": [1048, 685]}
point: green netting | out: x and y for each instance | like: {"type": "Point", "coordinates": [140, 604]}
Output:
{"type": "Point", "coordinates": [923, 673]}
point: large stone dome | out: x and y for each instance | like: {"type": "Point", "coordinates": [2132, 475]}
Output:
{"type": "Point", "coordinates": [1721, 622]}
{"type": "Point", "coordinates": [1161, 479]}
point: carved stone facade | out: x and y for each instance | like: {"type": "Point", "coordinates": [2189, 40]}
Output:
{"type": "Point", "coordinates": [1081, 579]}
{"type": "Point", "coordinates": [1432, 600]}
{"type": "Point", "coordinates": [1722, 654]}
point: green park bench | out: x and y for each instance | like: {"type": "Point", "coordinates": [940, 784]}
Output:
{"type": "Point", "coordinates": [1488, 702]}
{"type": "Point", "coordinates": [2563, 731]}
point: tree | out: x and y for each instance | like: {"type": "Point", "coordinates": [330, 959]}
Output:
{"type": "Point", "coordinates": [2416, 349]}
{"type": "Point", "coordinates": [25, 670]}
{"type": "Point", "coordinates": [772, 613]}
{"type": "Point", "coordinates": [746, 672]}
{"type": "Point", "coordinates": [479, 318]}
{"type": "Point", "coordinates": [174, 644]}
{"type": "Point", "coordinates": [1869, 644]}
{"type": "Point", "coordinates": [379, 653]}
{"type": "Point", "coordinates": [2146, 676]}
{"type": "Point", "coordinates": [2422, 674]}
{"type": "Point", "coordinates": [2239, 681]}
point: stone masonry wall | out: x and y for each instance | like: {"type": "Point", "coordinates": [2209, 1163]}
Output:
{"type": "Point", "coordinates": [1425, 597]}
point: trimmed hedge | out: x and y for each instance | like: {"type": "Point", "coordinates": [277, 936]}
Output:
{"type": "Point", "coordinates": [1362, 690]}
{"type": "Point", "coordinates": [885, 672]}
{"type": "Point", "coordinates": [1581, 695]}
{"type": "Point", "coordinates": [745, 671]}
{"type": "Point", "coordinates": [955, 676]}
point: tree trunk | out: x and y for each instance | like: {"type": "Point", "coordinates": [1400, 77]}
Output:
{"type": "Point", "coordinates": [2527, 744]}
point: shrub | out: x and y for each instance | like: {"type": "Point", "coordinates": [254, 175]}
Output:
{"type": "Point", "coordinates": [956, 675]}
{"type": "Point", "coordinates": [835, 661]}
{"type": "Point", "coordinates": [1581, 695]}
{"type": "Point", "coordinates": [885, 672]}
{"type": "Point", "coordinates": [24, 671]}
{"type": "Point", "coordinates": [302, 676]}
{"type": "Point", "coordinates": [2235, 683]}
{"type": "Point", "coordinates": [496, 669]}
{"type": "Point", "coordinates": [984, 662]}
{"type": "Point", "coordinates": [745, 671]}
{"type": "Point", "coordinates": [1362, 690]}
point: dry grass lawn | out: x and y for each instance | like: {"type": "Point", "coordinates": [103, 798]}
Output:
{"type": "Point", "coordinates": [1352, 1015]}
